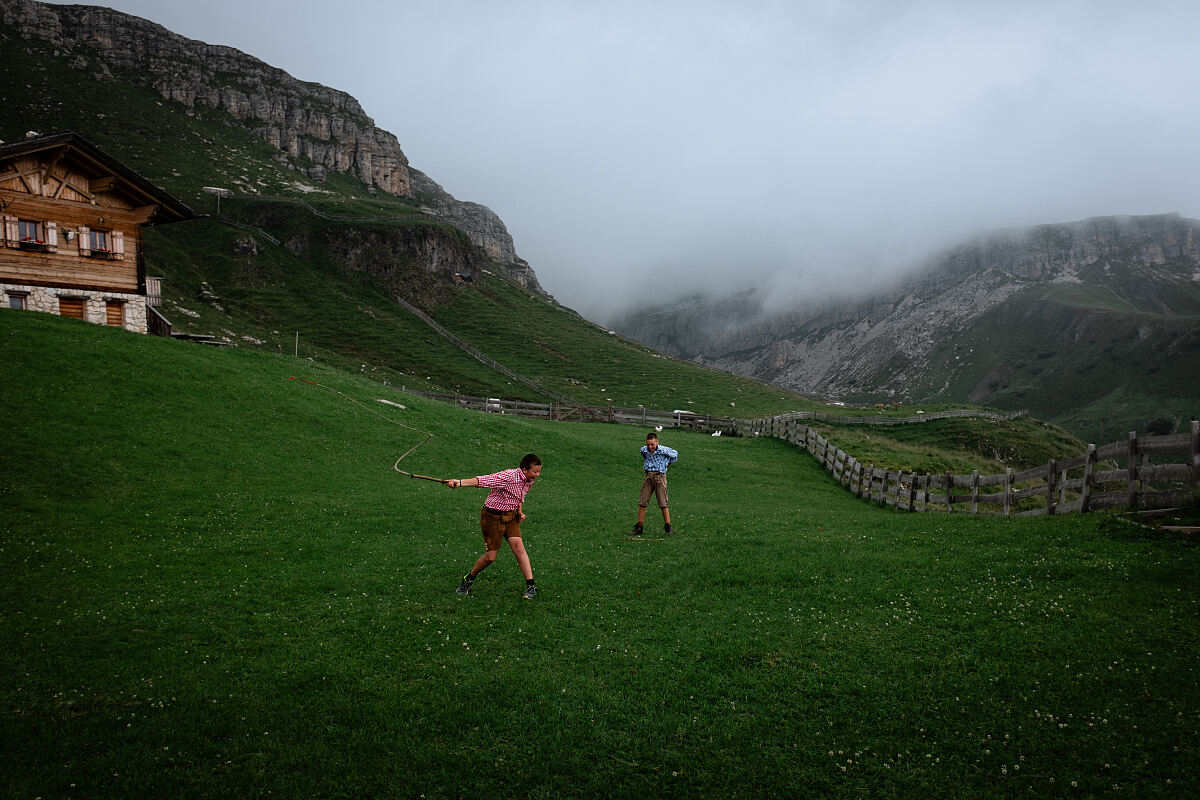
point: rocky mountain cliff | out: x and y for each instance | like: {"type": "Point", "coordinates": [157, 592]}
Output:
{"type": "Point", "coordinates": [1053, 318]}
{"type": "Point", "coordinates": [316, 130]}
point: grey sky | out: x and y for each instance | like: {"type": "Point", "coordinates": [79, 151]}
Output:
{"type": "Point", "coordinates": [638, 149]}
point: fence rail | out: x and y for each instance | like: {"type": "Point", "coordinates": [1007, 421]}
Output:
{"type": "Point", "coordinates": [1158, 472]}
{"type": "Point", "coordinates": [821, 416]}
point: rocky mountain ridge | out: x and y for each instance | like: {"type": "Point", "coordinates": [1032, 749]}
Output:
{"type": "Point", "coordinates": [975, 322]}
{"type": "Point", "coordinates": [316, 129]}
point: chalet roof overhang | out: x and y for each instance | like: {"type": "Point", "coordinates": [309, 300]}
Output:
{"type": "Point", "coordinates": [109, 173]}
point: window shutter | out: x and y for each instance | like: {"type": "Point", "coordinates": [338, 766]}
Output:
{"type": "Point", "coordinates": [118, 244]}
{"type": "Point", "coordinates": [52, 235]}
{"type": "Point", "coordinates": [85, 242]}
{"type": "Point", "coordinates": [71, 307]}
{"type": "Point", "coordinates": [12, 234]}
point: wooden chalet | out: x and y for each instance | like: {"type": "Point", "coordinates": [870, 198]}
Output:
{"type": "Point", "coordinates": [70, 227]}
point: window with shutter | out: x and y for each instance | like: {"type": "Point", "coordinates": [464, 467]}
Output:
{"type": "Point", "coordinates": [32, 235]}
{"type": "Point", "coordinates": [99, 242]}
{"type": "Point", "coordinates": [118, 245]}
{"type": "Point", "coordinates": [12, 233]}
{"type": "Point", "coordinates": [84, 241]}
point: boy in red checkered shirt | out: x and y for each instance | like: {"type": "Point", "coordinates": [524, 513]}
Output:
{"type": "Point", "coordinates": [501, 518]}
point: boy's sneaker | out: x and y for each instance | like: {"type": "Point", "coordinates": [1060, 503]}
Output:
{"type": "Point", "coordinates": [667, 529]}
{"type": "Point", "coordinates": [465, 586]}
{"type": "Point", "coordinates": [637, 530]}
{"type": "Point", "coordinates": [530, 592]}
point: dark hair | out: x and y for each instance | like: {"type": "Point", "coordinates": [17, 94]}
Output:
{"type": "Point", "coordinates": [530, 460]}
{"type": "Point", "coordinates": [651, 435]}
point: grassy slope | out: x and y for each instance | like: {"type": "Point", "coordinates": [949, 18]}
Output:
{"type": "Point", "coordinates": [570, 355]}
{"type": "Point", "coordinates": [1060, 350]}
{"type": "Point", "coordinates": [956, 445]}
{"type": "Point", "coordinates": [215, 585]}
{"type": "Point", "coordinates": [351, 324]}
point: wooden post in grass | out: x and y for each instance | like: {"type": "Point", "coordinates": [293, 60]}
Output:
{"type": "Point", "coordinates": [975, 491]}
{"type": "Point", "coordinates": [1051, 475]}
{"type": "Point", "coordinates": [1195, 453]}
{"type": "Point", "coordinates": [1085, 491]}
{"type": "Point", "coordinates": [1133, 469]}
{"type": "Point", "coordinates": [949, 492]}
{"type": "Point", "coordinates": [1008, 491]}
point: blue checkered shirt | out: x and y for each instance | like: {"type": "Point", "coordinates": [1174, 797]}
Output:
{"type": "Point", "coordinates": [659, 460]}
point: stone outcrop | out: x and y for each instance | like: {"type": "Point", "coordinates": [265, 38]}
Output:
{"type": "Point", "coordinates": [481, 224]}
{"type": "Point", "coordinates": [306, 120]}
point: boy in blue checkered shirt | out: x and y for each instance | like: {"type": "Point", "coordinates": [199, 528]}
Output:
{"type": "Point", "coordinates": [655, 460]}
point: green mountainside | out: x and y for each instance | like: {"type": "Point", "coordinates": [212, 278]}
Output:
{"type": "Point", "coordinates": [308, 261]}
{"type": "Point", "coordinates": [315, 273]}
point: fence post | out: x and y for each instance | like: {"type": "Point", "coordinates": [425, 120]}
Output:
{"type": "Point", "coordinates": [1008, 490]}
{"type": "Point", "coordinates": [1195, 453]}
{"type": "Point", "coordinates": [949, 492]}
{"type": "Point", "coordinates": [1085, 491]}
{"type": "Point", "coordinates": [1133, 469]}
{"type": "Point", "coordinates": [1051, 475]}
{"type": "Point", "coordinates": [975, 491]}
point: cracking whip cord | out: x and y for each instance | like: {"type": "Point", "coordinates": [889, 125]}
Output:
{"type": "Point", "coordinates": [395, 466]}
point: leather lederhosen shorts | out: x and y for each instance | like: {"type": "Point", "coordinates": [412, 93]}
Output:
{"type": "Point", "coordinates": [498, 526]}
{"type": "Point", "coordinates": [656, 484]}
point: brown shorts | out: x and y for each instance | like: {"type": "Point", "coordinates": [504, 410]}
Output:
{"type": "Point", "coordinates": [656, 484]}
{"type": "Point", "coordinates": [498, 526]}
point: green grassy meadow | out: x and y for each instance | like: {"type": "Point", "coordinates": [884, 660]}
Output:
{"type": "Point", "coordinates": [216, 585]}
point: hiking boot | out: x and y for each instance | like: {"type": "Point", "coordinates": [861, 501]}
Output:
{"type": "Point", "coordinates": [530, 592]}
{"type": "Point", "coordinates": [637, 530]}
{"type": "Point", "coordinates": [465, 586]}
{"type": "Point", "coordinates": [667, 529]}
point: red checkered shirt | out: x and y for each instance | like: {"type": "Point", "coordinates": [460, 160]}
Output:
{"type": "Point", "coordinates": [509, 488]}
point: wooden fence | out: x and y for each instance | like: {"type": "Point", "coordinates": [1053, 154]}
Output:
{"type": "Point", "coordinates": [1158, 472]}
{"type": "Point", "coordinates": [568, 410]}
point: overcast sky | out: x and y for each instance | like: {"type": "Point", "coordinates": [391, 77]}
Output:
{"type": "Point", "coordinates": [638, 149]}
